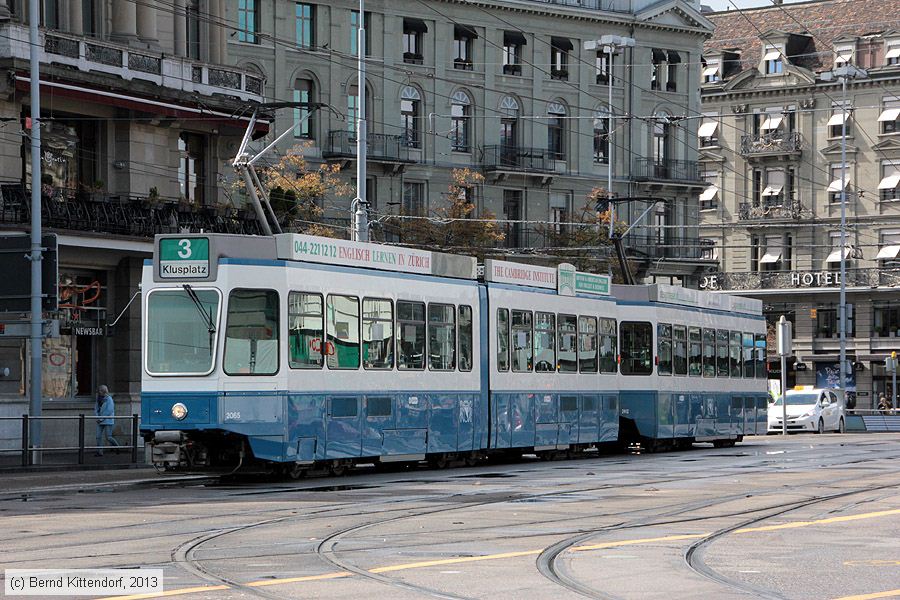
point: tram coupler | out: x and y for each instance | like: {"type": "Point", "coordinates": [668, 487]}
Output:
{"type": "Point", "coordinates": [173, 449]}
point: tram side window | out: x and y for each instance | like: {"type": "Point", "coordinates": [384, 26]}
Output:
{"type": "Point", "coordinates": [441, 337]}
{"type": "Point", "coordinates": [664, 348]}
{"type": "Point", "coordinates": [305, 331]}
{"type": "Point", "coordinates": [521, 341]}
{"type": "Point", "coordinates": [587, 344]}
{"type": "Point", "coordinates": [709, 352]}
{"type": "Point", "coordinates": [568, 344]}
{"type": "Point", "coordinates": [761, 356]}
{"type": "Point", "coordinates": [410, 335]}
{"type": "Point", "coordinates": [749, 359]}
{"type": "Point", "coordinates": [544, 342]}
{"type": "Point", "coordinates": [465, 338]}
{"type": "Point", "coordinates": [695, 361]}
{"type": "Point", "coordinates": [378, 334]}
{"type": "Point", "coordinates": [734, 354]}
{"type": "Point", "coordinates": [503, 339]}
{"type": "Point", "coordinates": [343, 332]}
{"type": "Point", "coordinates": [251, 333]}
{"type": "Point", "coordinates": [609, 346]}
{"type": "Point", "coordinates": [637, 348]}
{"type": "Point", "coordinates": [722, 367]}
{"type": "Point", "coordinates": [679, 335]}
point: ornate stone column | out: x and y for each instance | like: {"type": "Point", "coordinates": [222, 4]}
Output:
{"type": "Point", "coordinates": [146, 23]}
{"type": "Point", "coordinates": [4, 11]}
{"type": "Point", "coordinates": [124, 21]}
{"type": "Point", "coordinates": [180, 27]}
{"type": "Point", "coordinates": [76, 17]}
{"type": "Point", "coordinates": [217, 32]}
{"type": "Point", "coordinates": [224, 31]}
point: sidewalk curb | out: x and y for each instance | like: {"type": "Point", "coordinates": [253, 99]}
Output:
{"type": "Point", "coordinates": [66, 468]}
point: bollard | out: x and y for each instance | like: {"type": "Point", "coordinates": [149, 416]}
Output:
{"type": "Point", "coordinates": [80, 439]}
{"type": "Point", "coordinates": [25, 444]}
{"type": "Point", "coordinates": [134, 438]}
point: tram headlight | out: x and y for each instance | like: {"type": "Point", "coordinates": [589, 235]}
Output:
{"type": "Point", "coordinates": [179, 411]}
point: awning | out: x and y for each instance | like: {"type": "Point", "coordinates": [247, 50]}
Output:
{"type": "Point", "coordinates": [843, 55]}
{"type": "Point", "coordinates": [416, 25]}
{"type": "Point", "coordinates": [889, 182]}
{"type": "Point", "coordinates": [465, 31]}
{"type": "Point", "coordinates": [835, 186]}
{"type": "Point", "coordinates": [772, 255]}
{"type": "Point", "coordinates": [514, 38]}
{"type": "Point", "coordinates": [772, 55]}
{"type": "Point", "coordinates": [707, 129]}
{"type": "Point", "coordinates": [562, 43]}
{"type": "Point", "coordinates": [890, 114]}
{"type": "Point", "coordinates": [710, 71]}
{"type": "Point", "coordinates": [673, 57]}
{"type": "Point", "coordinates": [709, 193]}
{"type": "Point", "coordinates": [773, 190]}
{"type": "Point", "coordinates": [893, 52]}
{"type": "Point", "coordinates": [659, 55]}
{"type": "Point", "coordinates": [888, 253]}
{"type": "Point", "coordinates": [838, 118]}
{"type": "Point", "coordinates": [772, 122]}
{"type": "Point", "coordinates": [835, 255]}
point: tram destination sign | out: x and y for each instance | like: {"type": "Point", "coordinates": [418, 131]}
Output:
{"type": "Point", "coordinates": [308, 248]}
{"type": "Point", "coordinates": [184, 258]}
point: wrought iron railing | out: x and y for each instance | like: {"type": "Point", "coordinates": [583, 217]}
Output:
{"type": "Point", "coordinates": [121, 215]}
{"type": "Point", "coordinates": [648, 169]}
{"type": "Point", "coordinates": [665, 247]}
{"type": "Point", "coordinates": [519, 158]}
{"type": "Point", "coordinates": [774, 142]}
{"type": "Point", "coordinates": [751, 211]}
{"type": "Point", "coordinates": [379, 146]}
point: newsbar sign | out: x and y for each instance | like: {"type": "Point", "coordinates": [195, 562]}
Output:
{"type": "Point", "coordinates": [184, 258]}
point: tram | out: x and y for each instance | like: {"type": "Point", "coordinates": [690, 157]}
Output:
{"type": "Point", "coordinates": [292, 353]}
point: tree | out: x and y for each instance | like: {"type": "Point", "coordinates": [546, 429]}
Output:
{"type": "Point", "coordinates": [584, 240]}
{"type": "Point", "coordinates": [297, 192]}
{"type": "Point", "coordinates": [455, 225]}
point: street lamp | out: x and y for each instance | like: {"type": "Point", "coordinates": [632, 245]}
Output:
{"type": "Point", "coordinates": [609, 45]}
{"type": "Point", "coordinates": [843, 73]}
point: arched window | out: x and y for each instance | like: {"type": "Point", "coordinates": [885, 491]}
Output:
{"type": "Point", "coordinates": [509, 123]}
{"type": "Point", "coordinates": [601, 136]}
{"type": "Point", "coordinates": [556, 130]}
{"type": "Point", "coordinates": [303, 123]}
{"type": "Point", "coordinates": [460, 122]}
{"type": "Point", "coordinates": [410, 111]}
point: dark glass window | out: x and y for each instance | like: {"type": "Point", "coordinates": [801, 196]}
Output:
{"type": "Point", "coordinates": [609, 345]}
{"type": "Point", "coordinates": [734, 354]}
{"type": "Point", "coordinates": [695, 362]}
{"type": "Point", "coordinates": [760, 343]}
{"type": "Point", "coordinates": [248, 21]}
{"type": "Point", "coordinates": [306, 332]}
{"type": "Point", "coordinates": [521, 341]}
{"type": "Point", "coordinates": [465, 338]}
{"type": "Point", "coordinates": [344, 408]}
{"type": "Point", "coordinates": [723, 369]}
{"type": "Point", "coordinates": [441, 337]}
{"type": "Point", "coordinates": [251, 334]}
{"type": "Point", "coordinates": [502, 339]}
{"type": "Point", "coordinates": [749, 359]}
{"type": "Point", "coordinates": [637, 348]}
{"type": "Point", "coordinates": [378, 334]}
{"type": "Point", "coordinates": [378, 407]}
{"type": "Point", "coordinates": [343, 332]}
{"type": "Point", "coordinates": [568, 403]}
{"type": "Point", "coordinates": [679, 346]}
{"type": "Point", "coordinates": [664, 348]}
{"type": "Point", "coordinates": [568, 344]}
{"type": "Point", "coordinates": [587, 344]}
{"type": "Point", "coordinates": [545, 342]}
{"type": "Point", "coordinates": [410, 335]}
{"type": "Point", "coordinates": [304, 22]}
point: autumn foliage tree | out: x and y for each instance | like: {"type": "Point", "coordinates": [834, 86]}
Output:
{"type": "Point", "coordinates": [455, 225]}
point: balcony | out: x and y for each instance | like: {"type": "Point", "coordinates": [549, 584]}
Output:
{"type": "Point", "coordinates": [797, 281]}
{"type": "Point", "coordinates": [131, 216]}
{"type": "Point", "coordinates": [380, 147]}
{"type": "Point", "coordinates": [775, 143]}
{"type": "Point", "coordinates": [520, 159]}
{"type": "Point", "coordinates": [89, 55]}
{"type": "Point", "coordinates": [666, 170]}
{"type": "Point", "coordinates": [654, 247]}
{"type": "Point", "coordinates": [750, 211]}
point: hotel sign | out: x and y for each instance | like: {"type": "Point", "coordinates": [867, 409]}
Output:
{"type": "Point", "coordinates": [815, 279]}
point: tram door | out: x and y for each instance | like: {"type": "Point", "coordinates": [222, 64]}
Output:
{"type": "Point", "coordinates": [343, 429]}
{"type": "Point", "coordinates": [568, 420]}
{"type": "Point", "coordinates": [749, 416]}
{"type": "Point", "coordinates": [589, 421]}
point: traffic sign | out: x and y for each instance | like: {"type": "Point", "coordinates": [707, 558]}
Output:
{"type": "Point", "coordinates": [15, 266]}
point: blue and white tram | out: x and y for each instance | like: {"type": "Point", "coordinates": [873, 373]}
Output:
{"type": "Point", "coordinates": [293, 352]}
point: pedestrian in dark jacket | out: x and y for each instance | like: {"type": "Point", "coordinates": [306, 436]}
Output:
{"type": "Point", "coordinates": [104, 410]}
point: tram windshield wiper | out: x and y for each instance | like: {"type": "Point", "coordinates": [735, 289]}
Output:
{"type": "Point", "coordinates": [207, 317]}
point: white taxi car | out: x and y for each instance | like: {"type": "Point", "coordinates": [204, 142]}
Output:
{"type": "Point", "coordinates": [809, 409]}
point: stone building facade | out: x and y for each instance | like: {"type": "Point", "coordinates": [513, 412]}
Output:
{"type": "Point", "coordinates": [139, 115]}
{"type": "Point", "coordinates": [770, 149]}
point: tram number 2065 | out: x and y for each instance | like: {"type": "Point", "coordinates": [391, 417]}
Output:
{"type": "Point", "coordinates": [233, 415]}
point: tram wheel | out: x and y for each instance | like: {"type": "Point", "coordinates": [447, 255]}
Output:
{"type": "Point", "coordinates": [338, 469]}
{"type": "Point", "coordinates": [297, 472]}
{"type": "Point", "coordinates": [471, 460]}
{"type": "Point", "coordinates": [439, 462]}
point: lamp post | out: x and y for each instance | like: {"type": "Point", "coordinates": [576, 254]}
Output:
{"type": "Point", "coordinates": [360, 204]}
{"type": "Point", "coordinates": [610, 45]}
{"type": "Point", "coordinates": [843, 73]}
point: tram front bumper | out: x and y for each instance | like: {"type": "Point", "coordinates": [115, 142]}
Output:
{"type": "Point", "coordinates": [173, 449]}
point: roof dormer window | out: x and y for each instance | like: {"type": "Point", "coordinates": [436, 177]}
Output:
{"type": "Point", "coordinates": [773, 61]}
{"type": "Point", "coordinates": [712, 72]}
{"type": "Point", "coordinates": [892, 54]}
{"type": "Point", "coordinates": [843, 56]}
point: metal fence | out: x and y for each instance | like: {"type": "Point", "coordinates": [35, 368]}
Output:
{"type": "Point", "coordinates": [27, 450]}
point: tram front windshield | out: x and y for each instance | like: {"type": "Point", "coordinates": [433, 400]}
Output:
{"type": "Point", "coordinates": [181, 338]}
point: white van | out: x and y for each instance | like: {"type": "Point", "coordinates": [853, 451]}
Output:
{"type": "Point", "coordinates": [809, 409]}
